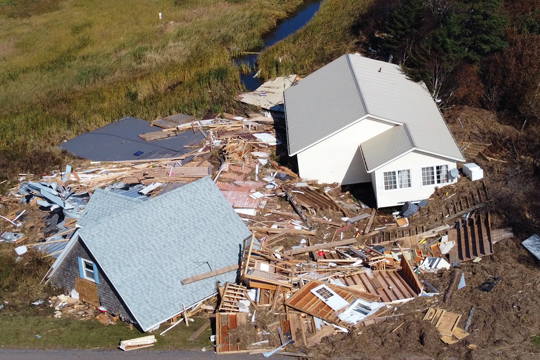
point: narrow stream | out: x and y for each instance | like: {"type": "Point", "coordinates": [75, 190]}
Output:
{"type": "Point", "coordinates": [303, 15]}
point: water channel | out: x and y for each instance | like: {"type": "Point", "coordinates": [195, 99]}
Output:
{"type": "Point", "coordinates": [301, 17]}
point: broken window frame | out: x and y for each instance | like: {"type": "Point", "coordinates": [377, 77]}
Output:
{"type": "Point", "coordinates": [395, 179]}
{"type": "Point", "coordinates": [433, 175]}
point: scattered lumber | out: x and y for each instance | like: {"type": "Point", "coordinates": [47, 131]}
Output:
{"type": "Point", "coordinates": [139, 343]}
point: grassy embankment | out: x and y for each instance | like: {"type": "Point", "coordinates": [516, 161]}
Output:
{"type": "Point", "coordinates": [71, 66]}
{"type": "Point", "coordinates": [329, 35]}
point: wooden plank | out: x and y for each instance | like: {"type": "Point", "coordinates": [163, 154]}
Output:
{"type": "Point", "coordinates": [261, 285]}
{"type": "Point", "coordinates": [209, 274]}
{"type": "Point", "coordinates": [448, 323]}
{"type": "Point", "coordinates": [370, 222]}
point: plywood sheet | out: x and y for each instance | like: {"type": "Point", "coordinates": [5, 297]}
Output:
{"type": "Point", "coordinates": [87, 291]}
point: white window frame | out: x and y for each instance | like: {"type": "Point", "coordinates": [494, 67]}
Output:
{"type": "Point", "coordinates": [435, 175]}
{"type": "Point", "coordinates": [397, 184]}
{"type": "Point", "coordinates": [86, 270]}
{"type": "Point", "coordinates": [335, 301]}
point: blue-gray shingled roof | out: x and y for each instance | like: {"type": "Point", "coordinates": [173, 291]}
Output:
{"type": "Point", "coordinates": [148, 251]}
{"type": "Point", "coordinates": [119, 141]}
{"type": "Point", "coordinates": [105, 204]}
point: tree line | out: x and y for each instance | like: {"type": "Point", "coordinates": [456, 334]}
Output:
{"type": "Point", "coordinates": [468, 52]}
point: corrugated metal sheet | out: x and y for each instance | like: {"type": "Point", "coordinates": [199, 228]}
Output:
{"type": "Point", "coordinates": [119, 141]}
{"type": "Point", "coordinates": [326, 102]}
{"type": "Point", "coordinates": [147, 251]}
{"type": "Point", "coordinates": [387, 146]}
{"type": "Point", "coordinates": [322, 104]}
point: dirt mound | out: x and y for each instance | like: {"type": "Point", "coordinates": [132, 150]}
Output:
{"type": "Point", "coordinates": [477, 125]}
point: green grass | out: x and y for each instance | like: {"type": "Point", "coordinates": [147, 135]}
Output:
{"type": "Point", "coordinates": [329, 35]}
{"type": "Point", "coordinates": [70, 333]}
{"type": "Point", "coordinates": [19, 287]}
{"type": "Point", "coordinates": [78, 65]}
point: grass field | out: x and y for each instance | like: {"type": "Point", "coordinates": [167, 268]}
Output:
{"type": "Point", "coordinates": [71, 66]}
{"type": "Point", "coordinates": [329, 35]}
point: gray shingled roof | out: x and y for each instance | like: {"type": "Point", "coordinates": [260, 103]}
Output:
{"type": "Point", "coordinates": [119, 141]}
{"type": "Point", "coordinates": [147, 251]}
{"type": "Point", "coordinates": [315, 107]}
{"type": "Point", "coordinates": [104, 204]}
{"type": "Point", "coordinates": [387, 146]}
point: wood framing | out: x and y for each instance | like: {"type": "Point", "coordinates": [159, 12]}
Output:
{"type": "Point", "coordinates": [263, 266]}
{"type": "Point", "coordinates": [231, 295]}
{"type": "Point", "coordinates": [305, 301]}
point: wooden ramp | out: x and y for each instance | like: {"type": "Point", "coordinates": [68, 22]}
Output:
{"type": "Point", "coordinates": [472, 240]}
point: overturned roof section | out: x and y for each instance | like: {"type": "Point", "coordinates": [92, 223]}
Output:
{"type": "Point", "coordinates": [325, 102]}
{"type": "Point", "coordinates": [119, 141]}
{"type": "Point", "coordinates": [146, 252]}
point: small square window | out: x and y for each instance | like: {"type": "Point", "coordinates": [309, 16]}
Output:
{"type": "Point", "coordinates": [87, 270]}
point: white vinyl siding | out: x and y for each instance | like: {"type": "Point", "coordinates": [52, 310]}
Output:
{"type": "Point", "coordinates": [338, 158]}
{"type": "Point", "coordinates": [415, 162]}
{"type": "Point", "coordinates": [397, 179]}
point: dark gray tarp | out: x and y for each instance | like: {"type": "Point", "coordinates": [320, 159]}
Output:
{"type": "Point", "coordinates": [120, 141]}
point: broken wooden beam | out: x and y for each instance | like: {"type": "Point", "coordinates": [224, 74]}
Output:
{"type": "Point", "coordinates": [279, 231]}
{"type": "Point", "coordinates": [210, 274]}
{"type": "Point", "coordinates": [328, 245]}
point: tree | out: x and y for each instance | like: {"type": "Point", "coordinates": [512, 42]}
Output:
{"type": "Point", "coordinates": [512, 78]}
{"type": "Point", "coordinates": [481, 27]}
{"type": "Point", "coordinates": [402, 29]}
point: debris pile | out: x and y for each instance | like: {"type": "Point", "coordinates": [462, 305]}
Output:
{"type": "Point", "coordinates": [318, 261]}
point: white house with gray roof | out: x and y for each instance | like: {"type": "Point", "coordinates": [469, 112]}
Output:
{"type": "Point", "coordinates": [360, 120]}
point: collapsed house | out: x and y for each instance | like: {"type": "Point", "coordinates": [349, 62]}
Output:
{"type": "Point", "coordinates": [130, 256]}
{"type": "Point", "coordinates": [359, 120]}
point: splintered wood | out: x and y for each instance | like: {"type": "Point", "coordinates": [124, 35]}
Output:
{"type": "Point", "coordinates": [264, 266]}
